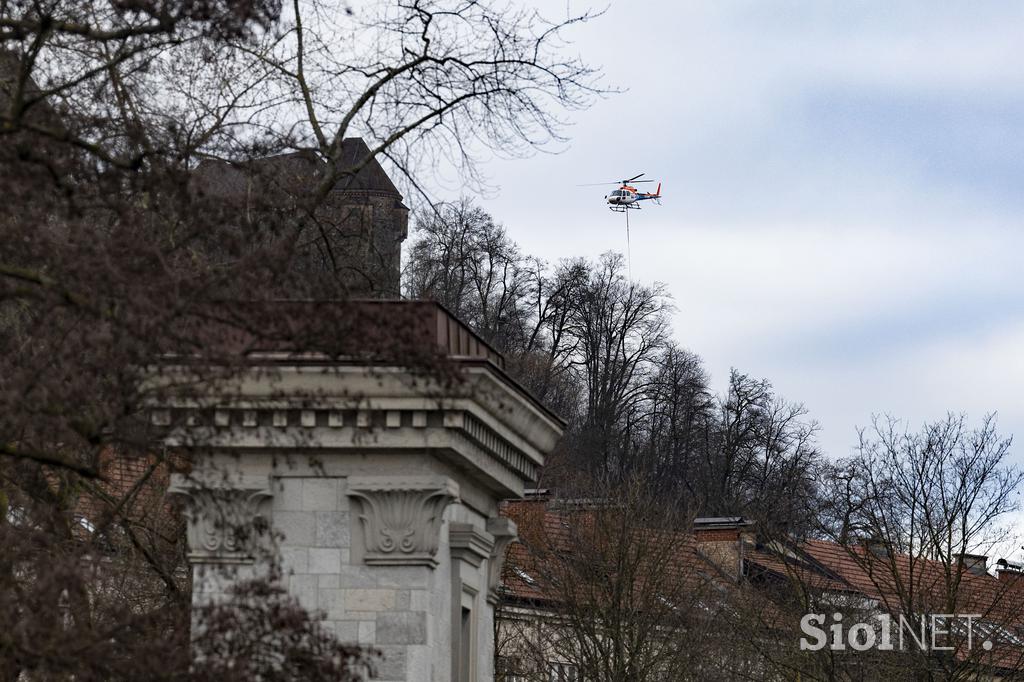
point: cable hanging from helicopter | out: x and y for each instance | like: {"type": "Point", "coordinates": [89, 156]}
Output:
{"type": "Point", "coordinates": [626, 198]}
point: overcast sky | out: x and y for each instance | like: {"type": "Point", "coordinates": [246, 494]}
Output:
{"type": "Point", "coordinates": [842, 190]}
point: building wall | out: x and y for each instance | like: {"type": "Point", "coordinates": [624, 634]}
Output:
{"type": "Point", "coordinates": [366, 229]}
{"type": "Point", "coordinates": [402, 611]}
{"type": "Point", "coordinates": [354, 247]}
{"type": "Point", "coordinates": [381, 488]}
{"type": "Point", "coordinates": [398, 610]}
{"type": "Point", "coordinates": [340, 508]}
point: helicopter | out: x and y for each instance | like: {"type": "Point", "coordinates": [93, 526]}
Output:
{"type": "Point", "coordinates": [626, 196]}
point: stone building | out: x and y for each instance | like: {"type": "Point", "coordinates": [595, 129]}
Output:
{"type": "Point", "coordinates": [356, 236]}
{"type": "Point", "coordinates": [379, 472]}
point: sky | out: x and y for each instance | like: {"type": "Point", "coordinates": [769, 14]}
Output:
{"type": "Point", "coordinates": [842, 187]}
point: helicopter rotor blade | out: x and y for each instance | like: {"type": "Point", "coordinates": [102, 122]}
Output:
{"type": "Point", "coordinates": [616, 182]}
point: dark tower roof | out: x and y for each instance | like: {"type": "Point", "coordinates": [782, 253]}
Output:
{"type": "Point", "coordinates": [371, 177]}
{"type": "Point", "coordinates": [294, 173]}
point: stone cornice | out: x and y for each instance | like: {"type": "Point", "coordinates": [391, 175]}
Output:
{"type": "Point", "coordinates": [469, 543]}
{"type": "Point", "coordinates": [319, 385]}
{"type": "Point", "coordinates": [326, 428]}
{"type": "Point", "coordinates": [492, 443]}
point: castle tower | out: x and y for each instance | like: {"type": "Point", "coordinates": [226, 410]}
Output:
{"type": "Point", "coordinates": [376, 222]}
{"type": "Point", "coordinates": [352, 244]}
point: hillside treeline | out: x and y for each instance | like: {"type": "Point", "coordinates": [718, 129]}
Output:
{"type": "Point", "coordinates": [598, 348]}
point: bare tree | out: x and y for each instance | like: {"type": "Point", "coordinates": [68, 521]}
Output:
{"type": "Point", "coordinates": [916, 513]}
{"type": "Point", "coordinates": [937, 493]}
{"type": "Point", "coordinates": [466, 262]}
{"type": "Point", "coordinates": [761, 455]}
{"type": "Point", "coordinates": [119, 245]}
{"type": "Point", "coordinates": [680, 406]}
{"type": "Point", "coordinates": [606, 588]}
{"type": "Point", "coordinates": [620, 327]}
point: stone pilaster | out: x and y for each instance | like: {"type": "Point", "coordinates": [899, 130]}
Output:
{"type": "Point", "coordinates": [470, 546]}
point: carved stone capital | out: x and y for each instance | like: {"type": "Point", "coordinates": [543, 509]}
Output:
{"type": "Point", "coordinates": [401, 517]}
{"type": "Point", "coordinates": [504, 533]}
{"type": "Point", "coordinates": [227, 521]}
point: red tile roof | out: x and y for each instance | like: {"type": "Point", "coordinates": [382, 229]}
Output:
{"type": "Point", "coordinates": [545, 529]}
{"type": "Point", "coordinates": [891, 582]}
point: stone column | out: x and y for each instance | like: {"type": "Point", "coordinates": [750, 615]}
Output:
{"type": "Point", "coordinates": [228, 526]}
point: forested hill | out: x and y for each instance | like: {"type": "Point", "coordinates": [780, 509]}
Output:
{"type": "Point", "coordinates": [598, 348]}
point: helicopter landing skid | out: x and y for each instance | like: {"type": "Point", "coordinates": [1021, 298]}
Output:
{"type": "Point", "coordinates": [623, 209]}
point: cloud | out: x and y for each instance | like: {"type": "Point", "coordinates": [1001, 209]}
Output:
{"type": "Point", "coordinates": [842, 210]}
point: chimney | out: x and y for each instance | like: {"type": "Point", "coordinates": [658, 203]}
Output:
{"type": "Point", "coordinates": [876, 546]}
{"type": "Point", "coordinates": [973, 563]}
{"type": "Point", "coordinates": [721, 539]}
{"type": "Point", "coordinates": [719, 528]}
{"type": "Point", "coordinates": [1008, 570]}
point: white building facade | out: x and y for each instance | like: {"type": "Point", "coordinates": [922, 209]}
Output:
{"type": "Point", "coordinates": [381, 484]}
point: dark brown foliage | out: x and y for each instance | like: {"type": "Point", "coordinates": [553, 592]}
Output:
{"type": "Point", "coordinates": [149, 211]}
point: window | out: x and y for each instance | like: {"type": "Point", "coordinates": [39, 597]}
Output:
{"type": "Point", "coordinates": [508, 669]}
{"type": "Point", "coordinates": [466, 645]}
{"type": "Point", "coordinates": [524, 576]}
{"type": "Point", "coordinates": [563, 672]}
{"type": "Point", "coordinates": [85, 523]}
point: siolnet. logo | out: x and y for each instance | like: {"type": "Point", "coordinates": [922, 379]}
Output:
{"type": "Point", "coordinates": [927, 632]}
